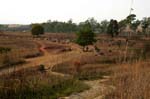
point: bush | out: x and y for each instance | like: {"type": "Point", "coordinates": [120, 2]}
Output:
{"type": "Point", "coordinates": [37, 29]}
{"type": "Point", "coordinates": [4, 50]}
{"type": "Point", "coordinates": [113, 28]}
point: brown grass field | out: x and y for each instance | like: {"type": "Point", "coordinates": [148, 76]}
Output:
{"type": "Point", "coordinates": [54, 67]}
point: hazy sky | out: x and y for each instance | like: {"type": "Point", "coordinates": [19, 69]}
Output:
{"type": "Point", "coordinates": [31, 11]}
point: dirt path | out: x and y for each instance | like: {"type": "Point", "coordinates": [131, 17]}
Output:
{"type": "Point", "coordinates": [42, 48]}
{"type": "Point", "coordinates": [98, 88]}
{"type": "Point", "coordinates": [48, 60]}
{"type": "Point", "coordinates": [97, 91]}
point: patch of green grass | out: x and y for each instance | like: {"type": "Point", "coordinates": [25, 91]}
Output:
{"type": "Point", "coordinates": [67, 87]}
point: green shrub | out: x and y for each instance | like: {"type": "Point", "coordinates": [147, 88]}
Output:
{"type": "Point", "coordinates": [37, 29]}
{"type": "Point", "coordinates": [4, 50]}
{"type": "Point", "coordinates": [85, 36]}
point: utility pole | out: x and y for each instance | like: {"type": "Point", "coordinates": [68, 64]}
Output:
{"type": "Point", "coordinates": [129, 35]}
{"type": "Point", "coordinates": [131, 9]}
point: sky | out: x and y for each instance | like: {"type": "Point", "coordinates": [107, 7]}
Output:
{"type": "Point", "coordinates": [37, 11]}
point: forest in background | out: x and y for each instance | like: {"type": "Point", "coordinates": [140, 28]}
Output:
{"type": "Point", "coordinates": [71, 27]}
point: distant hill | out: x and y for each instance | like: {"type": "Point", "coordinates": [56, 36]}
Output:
{"type": "Point", "coordinates": [15, 27]}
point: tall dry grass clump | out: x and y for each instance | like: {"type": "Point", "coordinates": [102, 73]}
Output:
{"type": "Point", "coordinates": [34, 84]}
{"type": "Point", "coordinates": [132, 81]}
{"type": "Point", "coordinates": [10, 59]}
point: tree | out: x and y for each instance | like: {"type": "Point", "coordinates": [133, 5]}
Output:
{"type": "Point", "coordinates": [131, 18]}
{"type": "Point", "coordinates": [135, 24]}
{"type": "Point", "coordinates": [145, 24]}
{"type": "Point", "coordinates": [96, 28]}
{"type": "Point", "coordinates": [103, 25]}
{"type": "Point", "coordinates": [1, 29]}
{"type": "Point", "coordinates": [37, 29]}
{"type": "Point", "coordinates": [113, 28]}
{"type": "Point", "coordinates": [93, 23]}
{"type": "Point", "coordinates": [122, 25]}
{"type": "Point", "coordinates": [132, 22]}
{"type": "Point", "coordinates": [60, 27]}
{"type": "Point", "coordinates": [86, 36]}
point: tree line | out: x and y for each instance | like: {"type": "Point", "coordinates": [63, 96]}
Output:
{"type": "Point", "coordinates": [70, 27]}
{"type": "Point", "coordinates": [104, 26]}
{"type": "Point", "coordinates": [100, 27]}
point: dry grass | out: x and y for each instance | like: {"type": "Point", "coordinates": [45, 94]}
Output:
{"type": "Point", "coordinates": [130, 78]}
{"type": "Point", "coordinates": [10, 59]}
{"type": "Point", "coordinates": [23, 47]}
{"type": "Point", "coordinates": [131, 81]}
{"type": "Point", "coordinates": [86, 68]}
{"type": "Point", "coordinates": [34, 84]}
{"type": "Point", "coordinates": [19, 50]}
